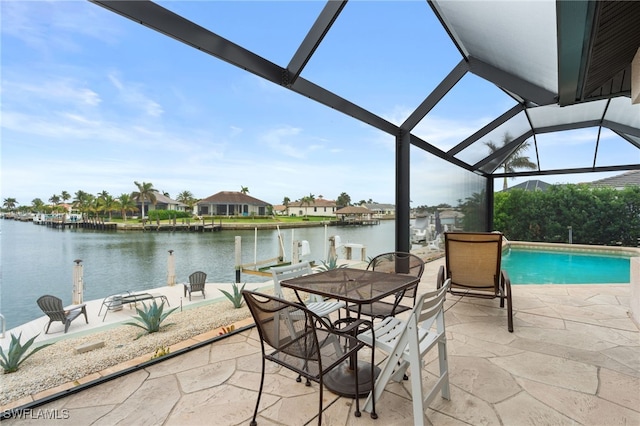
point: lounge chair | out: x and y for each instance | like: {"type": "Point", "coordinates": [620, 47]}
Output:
{"type": "Point", "coordinates": [196, 283]}
{"type": "Point", "coordinates": [393, 263]}
{"type": "Point", "coordinates": [473, 262]}
{"type": "Point", "coordinates": [52, 307]}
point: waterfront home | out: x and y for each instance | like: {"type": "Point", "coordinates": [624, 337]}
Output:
{"type": "Point", "coordinates": [317, 207]}
{"type": "Point", "coordinates": [380, 210]}
{"type": "Point", "coordinates": [232, 203]}
{"type": "Point", "coordinates": [162, 203]}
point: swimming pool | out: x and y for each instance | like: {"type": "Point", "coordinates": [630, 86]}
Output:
{"type": "Point", "coordinates": [540, 265]}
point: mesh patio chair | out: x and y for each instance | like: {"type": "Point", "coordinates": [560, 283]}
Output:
{"type": "Point", "coordinates": [393, 263]}
{"type": "Point", "coordinates": [407, 342]}
{"type": "Point", "coordinates": [197, 281]}
{"type": "Point", "coordinates": [473, 263]}
{"type": "Point", "coordinates": [52, 307]}
{"type": "Point", "coordinates": [301, 341]}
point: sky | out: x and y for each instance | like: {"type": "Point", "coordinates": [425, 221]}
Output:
{"type": "Point", "coordinates": [92, 101]}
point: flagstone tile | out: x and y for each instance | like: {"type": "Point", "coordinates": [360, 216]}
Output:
{"type": "Point", "coordinates": [524, 410]}
{"type": "Point", "coordinates": [231, 351]}
{"type": "Point", "coordinates": [467, 408]}
{"type": "Point", "coordinates": [296, 410]}
{"type": "Point", "coordinates": [276, 384]}
{"type": "Point", "coordinates": [220, 405]}
{"type": "Point", "coordinates": [620, 388]}
{"type": "Point", "coordinates": [191, 359]}
{"type": "Point", "coordinates": [205, 376]}
{"type": "Point", "coordinates": [628, 356]}
{"type": "Point", "coordinates": [149, 405]}
{"type": "Point", "coordinates": [551, 370]}
{"type": "Point", "coordinates": [121, 388]}
{"type": "Point", "coordinates": [582, 407]}
{"type": "Point", "coordinates": [481, 377]}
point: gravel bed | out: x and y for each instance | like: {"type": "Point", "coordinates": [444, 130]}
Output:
{"type": "Point", "coordinates": [58, 364]}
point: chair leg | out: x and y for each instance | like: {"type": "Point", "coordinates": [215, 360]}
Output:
{"type": "Point", "coordinates": [48, 325]}
{"type": "Point", "coordinates": [84, 311]}
{"type": "Point", "coordinates": [255, 412]}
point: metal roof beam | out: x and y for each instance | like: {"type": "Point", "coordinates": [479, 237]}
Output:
{"type": "Point", "coordinates": [434, 97]}
{"type": "Point", "coordinates": [175, 26]}
{"type": "Point", "coordinates": [486, 129]}
{"type": "Point", "coordinates": [617, 127]}
{"type": "Point", "coordinates": [569, 171]}
{"type": "Point", "coordinates": [574, 22]}
{"type": "Point", "coordinates": [313, 38]}
{"type": "Point", "coordinates": [425, 146]}
{"type": "Point", "coordinates": [512, 83]}
{"type": "Point", "coordinates": [325, 97]}
{"type": "Point", "coordinates": [498, 157]}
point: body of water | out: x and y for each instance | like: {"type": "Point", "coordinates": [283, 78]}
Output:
{"type": "Point", "coordinates": [37, 260]}
{"type": "Point", "coordinates": [555, 267]}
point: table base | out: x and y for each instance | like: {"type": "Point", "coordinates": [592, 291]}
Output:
{"type": "Point", "coordinates": [342, 380]}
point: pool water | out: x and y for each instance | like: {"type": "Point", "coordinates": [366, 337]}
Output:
{"type": "Point", "coordinates": [553, 267]}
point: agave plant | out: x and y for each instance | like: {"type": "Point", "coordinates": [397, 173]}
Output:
{"type": "Point", "coordinates": [150, 317]}
{"type": "Point", "coordinates": [17, 353]}
{"type": "Point", "coordinates": [236, 297]}
{"type": "Point", "coordinates": [331, 264]}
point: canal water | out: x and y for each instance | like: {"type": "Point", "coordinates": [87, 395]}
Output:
{"type": "Point", "coordinates": [37, 260]}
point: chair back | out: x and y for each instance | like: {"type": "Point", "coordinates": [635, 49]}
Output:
{"type": "Point", "coordinates": [52, 307]}
{"type": "Point", "coordinates": [280, 273]}
{"type": "Point", "coordinates": [399, 263]}
{"type": "Point", "coordinates": [197, 281]}
{"type": "Point", "coordinates": [297, 339]}
{"type": "Point", "coordinates": [473, 261]}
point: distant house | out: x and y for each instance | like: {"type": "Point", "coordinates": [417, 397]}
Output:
{"type": "Point", "coordinates": [379, 209]}
{"type": "Point", "coordinates": [319, 207]}
{"type": "Point", "coordinates": [631, 178]}
{"type": "Point", "coordinates": [162, 203]}
{"type": "Point", "coordinates": [231, 203]}
{"type": "Point", "coordinates": [531, 185]}
{"type": "Point", "coordinates": [354, 213]}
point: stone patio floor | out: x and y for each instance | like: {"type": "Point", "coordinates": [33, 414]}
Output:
{"type": "Point", "coordinates": [574, 358]}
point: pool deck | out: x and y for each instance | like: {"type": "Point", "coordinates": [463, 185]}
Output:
{"type": "Point", "coordinates": [574, 358]}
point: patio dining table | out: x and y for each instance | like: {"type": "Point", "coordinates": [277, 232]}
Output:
{"type": "Point", "coordinates": [354, 286]}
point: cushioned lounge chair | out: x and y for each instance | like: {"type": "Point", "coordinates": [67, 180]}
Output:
{"type": "Point", "coordinates": [473, 263]}
{"type": "Point", "coordinates": [52, 307]}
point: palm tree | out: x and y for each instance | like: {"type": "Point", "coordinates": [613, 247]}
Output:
{"type": "Point", "coordinates": [108, 203]}
{"type": "Point", "coordinates": [54, 199]}
{"type": "Point", "coordinates": [186, 197]}
{"type": "Point", "coordinates": [516, 160]}
{"type": "Point", "coordinates": [9, 203]}
{"type": "Point", "coordinates": [83, 202]}
{"type": "Point", "coordinates": [126, 204]}
{"type": "Point", "coordinates": [145, 192]}
{"type": "Point", "coordinates": [308, 200]}
{"type": "Point", "coordinates": [285, 203]}
{"type": "Point", "coordinates": [38, 204]}
{"type": "Point", "coordinates": [244, 190]}
{"type": "Point", "coordinates": [65, 196]}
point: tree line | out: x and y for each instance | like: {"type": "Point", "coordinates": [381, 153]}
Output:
{"type": "Point", "coordinates": [600, 216]}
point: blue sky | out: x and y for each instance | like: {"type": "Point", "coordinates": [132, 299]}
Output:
{"type": "Point", "coordinates": [93, 101]}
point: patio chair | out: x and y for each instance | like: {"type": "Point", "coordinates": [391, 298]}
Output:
{"type": "Point", "coordinates": [196, 283]}
{"type": "Point", "coordinates": [316, 304]}
{"type": "Point", "coordinates": [473, 262]}
{"type": "Point", "coordinates": [52, 307]}
{"type": "Point", "coordinates": [393, 263]}
{"type": "Point", "coordinates": [294, 337]}
{"type": "Point", "coordinates": [407, 343]}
